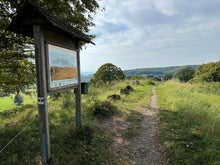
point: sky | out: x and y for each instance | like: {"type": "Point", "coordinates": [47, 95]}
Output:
{"type": "Point", "coordinates": [154, 33]}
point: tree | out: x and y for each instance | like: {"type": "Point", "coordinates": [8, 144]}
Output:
{"type": "Point", "coordinates": [208, 72]}
{"type": "Point", "coordinates": [185, 74]}
{"type": "Point", "coordinates": [107, 73]}
{"type": "Point", "coordinates": [167, 77]}
{"type": "Point", "coordinates": [17, 66]}
{"type": "Point", "coordinates": [16, 70]}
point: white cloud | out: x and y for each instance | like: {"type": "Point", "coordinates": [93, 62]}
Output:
{"type": "Point", "coordinates": [165, 6]}
{"type": "Point", "coordinates": [145, 33]}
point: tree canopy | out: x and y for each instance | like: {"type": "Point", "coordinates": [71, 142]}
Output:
{"type": "Point", "coordinates": [185, 74]}
{"type": "Point", "coordinates": [208, 72]}
{"type": "Point", "coordinates": [107, 73]}
{"type": "Point", "coordinates": [16, 52]}
{"type": "Point", "coordinates": [167, 77]}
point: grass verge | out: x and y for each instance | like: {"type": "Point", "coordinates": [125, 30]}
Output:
{"type": "Point", "coordinates": [190, 122]}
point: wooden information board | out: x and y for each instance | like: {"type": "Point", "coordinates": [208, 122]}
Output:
{"type": "Point", "coordinates": [57, 61]}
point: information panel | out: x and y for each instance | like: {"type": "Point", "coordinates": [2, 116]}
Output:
{"type": "Point", "coordinates": [62, 67]}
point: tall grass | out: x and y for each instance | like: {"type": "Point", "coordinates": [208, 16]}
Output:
{"type": "Point", "coordinates": [190, 114]}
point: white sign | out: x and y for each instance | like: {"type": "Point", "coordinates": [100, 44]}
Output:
{"type": "Point", "coordinates": [40, 101]}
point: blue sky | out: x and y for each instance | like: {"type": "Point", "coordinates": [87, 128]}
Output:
{"type": "Point", "coordinates": [154, 33]}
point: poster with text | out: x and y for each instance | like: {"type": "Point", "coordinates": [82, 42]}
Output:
{"type": "Point", "coordinates": [62, 66]}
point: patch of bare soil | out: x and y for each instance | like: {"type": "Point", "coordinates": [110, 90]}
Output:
{"type": "Point", "coordinates": [145, 148]}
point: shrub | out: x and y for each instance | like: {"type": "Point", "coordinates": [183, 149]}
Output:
{"type": "Point", "coordinates": [137, 77]}
{"type": "Point", "coordinates": [128, 89]}
{"type": "Point", "coordinates": [149, 82]}
{"type": "Point", "coordinates": [185, 74]}
{"type": "Point", "coordinates": [114, 97]}
{"type": "Point", "coordinates": [104, 109]}
{"type": "Point", "coordinates": [156, 79]}
{"type": "Point", "coordinates": [167, 77]}
{"type": "Point", "coordinates": [18, 100]}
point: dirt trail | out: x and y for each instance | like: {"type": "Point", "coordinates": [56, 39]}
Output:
{"type": "Point", "coordinates": [144, 149]}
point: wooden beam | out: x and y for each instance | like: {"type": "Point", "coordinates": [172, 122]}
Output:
{"type": "Point", "coordinates": [78, 94]}
{"type": "Point", "coordinates": [42, 92]}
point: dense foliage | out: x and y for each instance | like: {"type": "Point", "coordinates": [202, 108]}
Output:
{"type": "Point", "coordinates": [208, 72]}
{"type": "Point", "coordinates": [17, 67]}
{"type": "Point", "coordinates": [185, 74]}
{"type": "Point", "coordinates": [107, 73]}
{"type": "Point", "coordinates": [167, 77]}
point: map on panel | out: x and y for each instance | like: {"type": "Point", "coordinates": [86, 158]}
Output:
{"type": "Point", "coordinates": [62, 66]}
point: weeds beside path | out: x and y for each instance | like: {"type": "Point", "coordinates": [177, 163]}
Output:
{"type": "Point", "coordinates": [143, 149]}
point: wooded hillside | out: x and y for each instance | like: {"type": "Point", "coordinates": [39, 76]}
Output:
{"type": "Point", "coordinates": [159, 72]}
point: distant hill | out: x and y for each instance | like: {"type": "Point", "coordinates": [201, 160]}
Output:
{"type": "Point", "coordinates": [159, 71]}
{"type": "Point", "coordinates": [86, 78]}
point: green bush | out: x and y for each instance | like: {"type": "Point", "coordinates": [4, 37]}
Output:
{"type": "Point", "coordinates": [167, 77]}
{"type": "Point", "coordinates": [128, 90]}
{"type": "Point", "coordinates": [19, 99]}
{"type": "Point", "coordinates": [137, 77]}
{"type": "Point", "coordinates": [149, 82]}
{"type": "Point", "coordinates": [185, 74]}
{"type": "Point", "coordinates": [156, 79]}
{"type": "Point", "coordinates": [104, 109]}
{"type": "Point", "coordinates": [208, 72]}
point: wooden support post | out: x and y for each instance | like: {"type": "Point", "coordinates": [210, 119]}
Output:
{"type": "Point", "coordinates": [78, 94]}
{"type": "Point", "coordinates": [42, 92]}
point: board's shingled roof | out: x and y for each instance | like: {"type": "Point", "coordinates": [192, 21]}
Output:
{"type": "Point", "coordinates": [29, 14]}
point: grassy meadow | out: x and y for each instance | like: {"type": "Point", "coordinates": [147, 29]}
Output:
{"type": "Point", "coordinates": [8, 101]}
{"type": "Point", "coordinates": [190, 115]}
{"type": "Point", "coordinates": [71, 145]}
